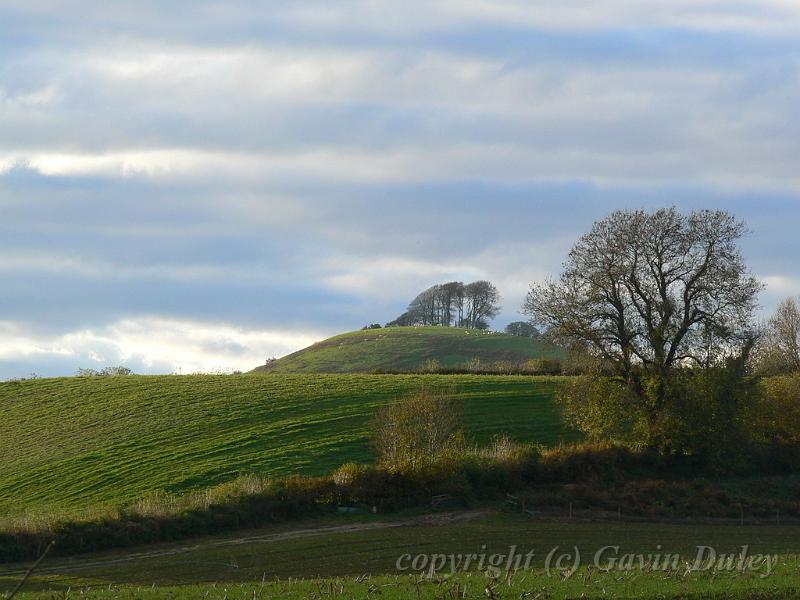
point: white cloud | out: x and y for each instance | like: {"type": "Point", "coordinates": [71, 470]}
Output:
{"type": "Point", "coordinates": [157, 345]}
{"type": "Point", "coordinates": [466, 116]}
{"type": "Point", "coordinates": [728, 166]}
{"type": "Point", "coordinates": [782, 286]}
{"type": "Point", "coordinates": [260, 73]}
{"type": "Point", "coordinates": [394, 278]}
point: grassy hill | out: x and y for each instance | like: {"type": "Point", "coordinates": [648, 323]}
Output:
{"type": "Point", "coordinates": [71, 442]}
{"type": "Point", "coordinates": [407, 349]}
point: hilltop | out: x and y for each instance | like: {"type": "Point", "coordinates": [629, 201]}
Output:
{"type": "Point", "coordinates": [408, 349]}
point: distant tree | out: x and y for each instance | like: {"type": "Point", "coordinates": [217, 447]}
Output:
{"type": "Point", "coordinates": [423, 309]}
{"type": "Point", "coordinates": [779, 348]}
{"type": "Point", "coordinates": [404, 320]}
{"type": "Point", "coordinates": [452, 304]}
{"type": "Point", "coordinates": [105, 372]}
{"type": "Point", "coordinates": [522, 329]}
{"type": "Point", "coordinates": [481, 301]}
{"type": "Point", "coordinates": [450, 297]}
{"type": "Point", "coordinates": [115, 371]}
{"type": "Point", "coordinates": [481, 324]}
{"type": "Point", "coordinates": [371, 326]}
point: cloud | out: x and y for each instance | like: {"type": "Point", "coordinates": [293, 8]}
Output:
{"type": "Point", "coordinates": [202, 169]}
{"type": "Point", "coordinates": [267, 112]}
{"type": "Point", "coordinates": [206, 20]}
{"type": "Point", "coordinates": [151, 344]}
{"type": "Point", "coordinates": [782, 286]}
{"type": "Point", "coordinates": [390, 279]}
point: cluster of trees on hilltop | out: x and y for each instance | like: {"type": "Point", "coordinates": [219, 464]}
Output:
{"type": "Point", "coordinates": [453, 304]}
{"type": "Point", "coordinates": [522, 329]}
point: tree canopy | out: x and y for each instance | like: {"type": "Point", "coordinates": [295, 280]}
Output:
{"type": "Point", "coordinates": [453, 304]}
{"type": "Point", "coordinates": [649, 291]}
{"type": "Point", "coordinates": [522, 329]}
{"type": "Point", "coordinates": [779, 348]}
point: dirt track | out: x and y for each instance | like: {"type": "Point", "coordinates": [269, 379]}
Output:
{"type": "Point", "coordinates": [65, 565]}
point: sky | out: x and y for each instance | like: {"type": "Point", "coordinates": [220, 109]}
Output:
{"type": "Point", "coordinates": [197, 186]}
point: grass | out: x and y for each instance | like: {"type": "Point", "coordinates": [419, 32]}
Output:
{"type": "Point", "coordinates": [359, 564]}
{"type": "Point", "coordinates": [71, 443]}
{"type": "Point", "coordinates": [584, 585]}
{"type": "Point", "coordinates": [408, 348]}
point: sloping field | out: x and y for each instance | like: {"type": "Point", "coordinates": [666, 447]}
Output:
{"type": "Point", "coordinates": [72, 442]}
{"type": "Point", "coordinates": [408, 348]}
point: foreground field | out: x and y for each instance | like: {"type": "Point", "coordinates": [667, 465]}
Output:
{"type": "Point", "coordinates": [359, 559]}
{"type": "Point", "coordinates": [408, 348]}
{"type": "Point", "coordinates": [74, 442]}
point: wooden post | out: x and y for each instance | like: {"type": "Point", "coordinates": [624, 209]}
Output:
{"type": "Point", "coordinates": [31, 570]}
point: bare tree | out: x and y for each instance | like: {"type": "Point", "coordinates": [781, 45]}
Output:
{"type": "Point", "coordinates": [423, 309]}
{"type": "Point", "coordinates": [452, 303]}
{"type": "Point", "coordinates": [415, 430]}
{"type": "Point", "coordinates": [779, 351]}
{"type": "Point", "coordinates": [650, 291]}
{"type": "Point", "coordinates": [449, 295]}
{"type": "Point", "coordinates": [482, 304]}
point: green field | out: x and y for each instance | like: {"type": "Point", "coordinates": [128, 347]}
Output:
{"type": "Point", "coordinates": [408, 348]}
{"type": "Point", "coordinates": [284, 562]}
{"type": "Point", "coordinates": [69, 443]}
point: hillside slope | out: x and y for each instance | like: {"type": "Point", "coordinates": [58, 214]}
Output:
{"type": "Point", "coordinates": [73, 442]}
{"type": "Point", "coordinates": [407, 349]}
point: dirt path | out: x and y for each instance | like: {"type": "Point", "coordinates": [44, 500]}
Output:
{"type": "Point", "coordinates": [65, 565]}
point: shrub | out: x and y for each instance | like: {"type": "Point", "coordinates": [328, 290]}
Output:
{"type": "Point", "coordinates": [473, 365]}
{"type": "Point", "coordinates": [431, 365]}
{"type": "Point", "coordinates": [348, 474]}
{"type": "Point", "coordinates": [155, 504]}
{"type": "Point", "coordinates": [415, 430]}
{"type": "Point", "coordinates": [504, 367]}
{"type": "Point", "coordinates": [778, 411]}
{"type": "Point", "coordinates": [541, 366]}
{"type": "Point", "coordinates": [707, 417]}
{"type": "Point", "coordinates": [600, 407]}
